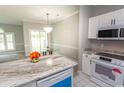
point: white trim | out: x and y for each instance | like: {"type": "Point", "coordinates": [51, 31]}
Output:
{"type": "Point", "coordinates": [67, 17]}
{"type": "Point", "coordinates": [27, 45]}
{"type": "Point", "coordinates": [40, 21]}
{"type": "Point", "coordinates": [66, 46]}
{"type": "Point", "coordinates": [33, 21]}
{"type": "Point", "coordinates": [19, 51]}
{"type": "Point", "coordinates": [5, 42]}
{"type": "Point", "coordinates": [13, 38]}
{"type": "Point", "coordinates": [39, 31]}
{"type": "Point", "coordinates": [12, 51]}
{"type": "Point", "coordinates": [19, 44]}
{"type": "Point", "coordinates": [71, 15]}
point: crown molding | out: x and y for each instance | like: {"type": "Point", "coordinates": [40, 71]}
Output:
{"type": "Point", "coordinates": [74, 13]}
{"type": "Point", "coordinates": [40, 21]}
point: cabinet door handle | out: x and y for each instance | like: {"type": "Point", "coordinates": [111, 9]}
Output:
{"type": "Point", "coordinates": [114, 21]}
{"type": "Point", "coordinates": [111, 21]}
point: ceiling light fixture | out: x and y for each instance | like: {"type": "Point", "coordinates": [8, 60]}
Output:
{"type": "Point", "coordinates": [47, 28]}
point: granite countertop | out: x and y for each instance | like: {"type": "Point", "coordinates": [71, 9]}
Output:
{"type": "Point", "coordinates": [94, 51]}
{"type": "Point", "coordinates": [16, 73]}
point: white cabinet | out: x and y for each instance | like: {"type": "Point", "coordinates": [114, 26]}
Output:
{"type": "Point", "coordinates": [86, 63]}
{"type": "Point", "coordinates": [106, 20]}
{"type": "Point", "coordinates": [93, 25]}
{"type": "Point", "coordinates": [61, 79]}
{"type": "Point", "coordinates": [111, 19]}
{"type": "Point", "coordinates": [119, 17]}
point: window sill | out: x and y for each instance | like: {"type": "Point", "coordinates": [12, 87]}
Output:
{"type": "Point", "coordinates": [7, 51]}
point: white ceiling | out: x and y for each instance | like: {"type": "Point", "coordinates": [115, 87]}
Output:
{"type": "Point", "coordinates": [15, 14]}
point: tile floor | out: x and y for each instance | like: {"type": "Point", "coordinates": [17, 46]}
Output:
{"type": "Point", "coordinates": [83, 80]}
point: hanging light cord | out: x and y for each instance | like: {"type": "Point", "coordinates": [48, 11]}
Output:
{"type": "Point", "coordinates": [47, 18]}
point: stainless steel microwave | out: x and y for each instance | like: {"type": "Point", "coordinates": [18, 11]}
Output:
{"type": "Point", "coordinates": [113, 33]}
{"type": "Point", "coordinates": [121, 34]}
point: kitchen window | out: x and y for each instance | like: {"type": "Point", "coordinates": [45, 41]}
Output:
{"type": "Point", "coordinates": [38, 40]}
{"type": "Point", "coordinates": [7, 42]}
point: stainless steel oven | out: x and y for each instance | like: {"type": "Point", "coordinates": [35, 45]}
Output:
{"type": "Point", "coordinates": [108, 73]}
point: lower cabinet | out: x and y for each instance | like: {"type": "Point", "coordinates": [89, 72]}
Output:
{"type": "Point", "coordinates": [86, 63]}
{"type": "Point", "coordinates": [61, 79]}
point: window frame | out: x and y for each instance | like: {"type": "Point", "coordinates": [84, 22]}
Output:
{"type": "Point", "coordinates": [13, 39]}
{"type": "Point", "coordinates": [46, 36]}
{"type": "Point", "coordinates": [5, 41]}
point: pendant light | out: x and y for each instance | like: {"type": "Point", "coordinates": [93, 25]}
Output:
{"type": "Point", "coordinates": [47, 28]}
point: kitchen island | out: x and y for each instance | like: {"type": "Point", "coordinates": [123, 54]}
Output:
{"type": "Point", "coordinates": [22, 72]}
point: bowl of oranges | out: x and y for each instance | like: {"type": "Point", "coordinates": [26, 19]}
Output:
{"type": "Point", "coordinates": [34, 56]}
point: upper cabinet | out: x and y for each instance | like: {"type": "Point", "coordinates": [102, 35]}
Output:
{"type": "Point", "coordinates": [119, 17]}
{"type": "Point", "coordinates": [112, 18]}
{"type": "Point", "coordinates": [93, 25]}
{"type": "Point", "coordinates": [105, 20]}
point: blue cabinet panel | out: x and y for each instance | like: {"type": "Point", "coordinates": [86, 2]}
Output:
{"type": "Point", "coordinates": [67, 82]}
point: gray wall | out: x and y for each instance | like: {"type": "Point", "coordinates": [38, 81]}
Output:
{"type": "Point", "coordinates": [85, 14]}
{"type": "Point", "coordinates": [70, 37]}
{"type": "Point", "coordinates": [18, 32]}
{"type": "Point", "coordinates": [65, 36]}
{"type": "Point", "coordinates": [101, 9]}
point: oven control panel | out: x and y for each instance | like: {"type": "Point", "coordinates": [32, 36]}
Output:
{"type": "Point", "coordinates": [110, 60]}
{"type": "Point", "coordinates": [105, 59]}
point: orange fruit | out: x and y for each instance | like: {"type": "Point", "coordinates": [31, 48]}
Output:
{"type": "Point", "coordinates": [34, 55]}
